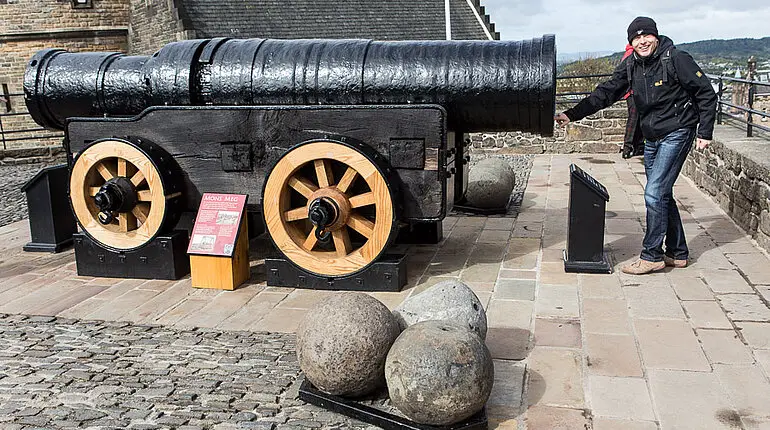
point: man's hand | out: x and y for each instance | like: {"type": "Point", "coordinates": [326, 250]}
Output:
{"type": "Point", "coordinates": [702, 143]}
{"type": "Point", "coordinates": [561, 119]}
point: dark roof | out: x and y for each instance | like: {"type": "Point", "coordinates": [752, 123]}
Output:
{"type": "Point", "coordinates": [333, 19]}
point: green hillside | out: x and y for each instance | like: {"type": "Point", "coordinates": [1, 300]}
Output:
{"type": "Point", "coordinates": [718, 55]}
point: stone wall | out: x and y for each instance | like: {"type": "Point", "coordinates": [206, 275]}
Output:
{"type": "Point", "coordinates": [155, 23]}
{"type": "Point", "coordinates": [735, 172]}
{"type": "Point", "coordinates": [29, 26]}
{"type": "Point", "coordinates": [599, 133]}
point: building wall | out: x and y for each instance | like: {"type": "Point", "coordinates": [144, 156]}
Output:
{"type": "Point", "coordinates": [27, 26]}
{"type": "Point", "coordinates": [155, 23]}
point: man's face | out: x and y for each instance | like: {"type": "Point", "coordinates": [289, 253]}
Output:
{"type": "Point", "coordinates": [644, 44]}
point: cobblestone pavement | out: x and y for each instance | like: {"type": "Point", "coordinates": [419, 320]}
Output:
{"type": "Point", "coordinates": [62, 374]}
{"type": "Point", "coordinates": [13, 202]}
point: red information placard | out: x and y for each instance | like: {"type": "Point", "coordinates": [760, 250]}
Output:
{"type": "Point", "coordinates": [217, 224]}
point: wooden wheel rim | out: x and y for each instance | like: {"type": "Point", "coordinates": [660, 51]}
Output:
{"type": "Point", "coordinates": [88, 173]}
{"type": "Point", "coordinates": [276, 208]}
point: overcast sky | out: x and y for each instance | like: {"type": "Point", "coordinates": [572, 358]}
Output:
{"type": "Point", "coordinates": [600, 25]}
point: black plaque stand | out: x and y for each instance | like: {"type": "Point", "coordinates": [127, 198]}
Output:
{"type": "Point", "coordinates": [379, 418]}
{"type": "Point", "coordinates": [585, 230]}
{"type": "Point", "coordinates": [388, 273]}
{"type": "Point", "coordinates": [164, 257]}
{"type": "Point", "coordinates": [51, 221]}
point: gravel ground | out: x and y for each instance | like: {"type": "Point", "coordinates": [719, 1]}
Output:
{"type": "Point", "coordinates": [62, 374]}
{"type": "Point", "coordinates": [13, 202]}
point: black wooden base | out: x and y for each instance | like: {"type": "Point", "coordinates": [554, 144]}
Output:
{"type": "Point", "coordinates": [47, 247]}
{"type": "Point", "coordinates": [481, 211]}
{"type": "Point", "coordinates": [603, 266]}
{"type": "Point", "coordinates": [164, 257]}
{"type": "Point", "coordinates": [430, 232]}
{"type": "Point", "coordinates": [379, 418]}
{"type": "Point", "coordinates": [388, 273]}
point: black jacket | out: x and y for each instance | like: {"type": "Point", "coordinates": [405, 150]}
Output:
{"type": "Point", "coordinates": [684, 99]}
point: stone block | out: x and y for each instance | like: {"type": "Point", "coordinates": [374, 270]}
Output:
{"type": "Point", "coordinates": [615, 113]}
{"type": "Point", "coordinates": [578, 133]}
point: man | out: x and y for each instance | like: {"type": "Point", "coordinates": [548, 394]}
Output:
{"type": "Point", "coordinates": [672, 96]}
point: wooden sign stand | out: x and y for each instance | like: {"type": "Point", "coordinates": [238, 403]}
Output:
{"type": "Point", "coordinates": [222, 271]}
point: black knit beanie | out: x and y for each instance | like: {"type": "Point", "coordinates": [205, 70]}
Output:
{"type": "Point", "coordinates": [642, 25]}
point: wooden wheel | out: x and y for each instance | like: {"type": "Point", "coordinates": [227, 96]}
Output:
{"type": "Point", "coordinates": [118, 194]}
{"type": "Point", "coordinates": [350, 186]}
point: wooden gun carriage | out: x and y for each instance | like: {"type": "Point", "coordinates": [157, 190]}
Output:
{"type": "Point", "coordinates": [337, 142]}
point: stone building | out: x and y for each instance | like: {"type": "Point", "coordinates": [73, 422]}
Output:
{"type": "Point", "coordinates": [27, 26]}
{"type": "Point", "coordinates": [143, 26]}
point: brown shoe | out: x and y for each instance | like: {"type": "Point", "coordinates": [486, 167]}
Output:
{"type": "Point", "coordinates": [674, 263]}
{"type": "Point", "coordinates": [640, 267]}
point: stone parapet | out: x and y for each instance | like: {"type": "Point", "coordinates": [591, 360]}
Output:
{"type": "Point", "coordinates": [735, 171]}
{"type": "Point", "coordinates": [599, 133]}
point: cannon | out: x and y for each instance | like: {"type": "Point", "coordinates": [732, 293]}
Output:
{"type": "Point", "coordinates": [338, 143]}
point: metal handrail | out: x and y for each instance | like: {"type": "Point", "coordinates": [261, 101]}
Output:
{"type": "Point", "coordinates": [749, 110]}
{"type": "Point", "coordinates": [35, 133]}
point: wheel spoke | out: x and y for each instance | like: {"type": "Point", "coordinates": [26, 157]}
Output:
{"type": "Point", "coordinates": [361, 225]}
{"type": "Point", "coordinates": [141, 211]}
{"type": "Point", "coordinates": [347, 179]}
{"type": "Point", "coordinates": [138, 178]}
{"type": "Point", "coordinates": [342, 242]}
{"type": "Point", "coordinates": [310, 241]}
{"type": "Point", "coordinates": [365, 199]}
{"type": "Point", "coordinates": [296, 214]}
{"type": "Point", "coordinates": [127, 221]}
{"type": "Point", "coordinates": [122, 167]}
{"type": "Point", "coordinates": [324, 173]}
{"type": "Point", "coordinates": [93, 190]}
{"type": "Point", "coordinates": [302, 186]}
{"type": "Point", "coordinates": [106, 172]}
{"type": "Point", "coordinates": [144, 195]}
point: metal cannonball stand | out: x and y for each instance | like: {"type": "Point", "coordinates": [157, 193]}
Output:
{"type": "Point", "coordinates": [374, 416]}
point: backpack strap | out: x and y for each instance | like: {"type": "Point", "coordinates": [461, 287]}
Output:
{"type": "Point", "coordinates": [668, 66]}
{"type": "Point", "coordinates": [630, 69]}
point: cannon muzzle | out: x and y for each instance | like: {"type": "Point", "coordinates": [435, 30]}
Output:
{"type": "Point", "coordinates": [483, 85]}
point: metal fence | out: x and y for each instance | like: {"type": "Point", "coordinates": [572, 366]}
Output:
{"type": "Point", "coordinates": [24, 129]}
{"type": "Point", "coordinates": [726, 87]}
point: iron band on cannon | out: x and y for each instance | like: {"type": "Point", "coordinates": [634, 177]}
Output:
{"type": "Point", "coordinates": [337, 142]}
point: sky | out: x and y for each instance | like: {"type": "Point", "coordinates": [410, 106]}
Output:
{"type": "Point", "coordinates": [600, 25]}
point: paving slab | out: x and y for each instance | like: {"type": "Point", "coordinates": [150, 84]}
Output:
{"type": "Point", "coordinates": [612, 355]}
{"type": "Point", "coordinates": [744, 307]}
{"type": "Point", "coordinates": [670, 344]}
{"type": "Point", "coordinates": [724, 347]}
{"type": "Point", "coordinates": [691, 400]}
{"type": "Point", "coordinates": [617, 397]}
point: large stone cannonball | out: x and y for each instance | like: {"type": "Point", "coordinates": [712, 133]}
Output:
{"type": "Point", "coordinates": [439, 373]}
{"type": "Point", "coordinates": [449, 300]}
{"type": "Point", "coordinates": [343, 341]}
{"type": "Point", "coordinates": [490, 184]}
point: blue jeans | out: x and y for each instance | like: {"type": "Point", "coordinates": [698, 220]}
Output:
{"type": "Point", "coordinates": [663, 160]}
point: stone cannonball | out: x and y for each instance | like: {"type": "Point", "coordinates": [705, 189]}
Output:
{"type": "Point", "coordinates": [490, 184]}
{"type": "Point", "coordinates": [439, 373]}
{"type": "Point", "coordinates": [449, 300]}
{"type": "Point", "coordinates": [343, 341]}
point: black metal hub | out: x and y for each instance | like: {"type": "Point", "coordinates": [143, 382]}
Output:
{"type": "Point", "coordinates": [322, 213]}
{"type": "Point", "coordinates": [116, 195]}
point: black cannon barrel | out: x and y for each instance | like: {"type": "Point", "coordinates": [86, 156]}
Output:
{"type": "Point", "coordinates": [483, 85]}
